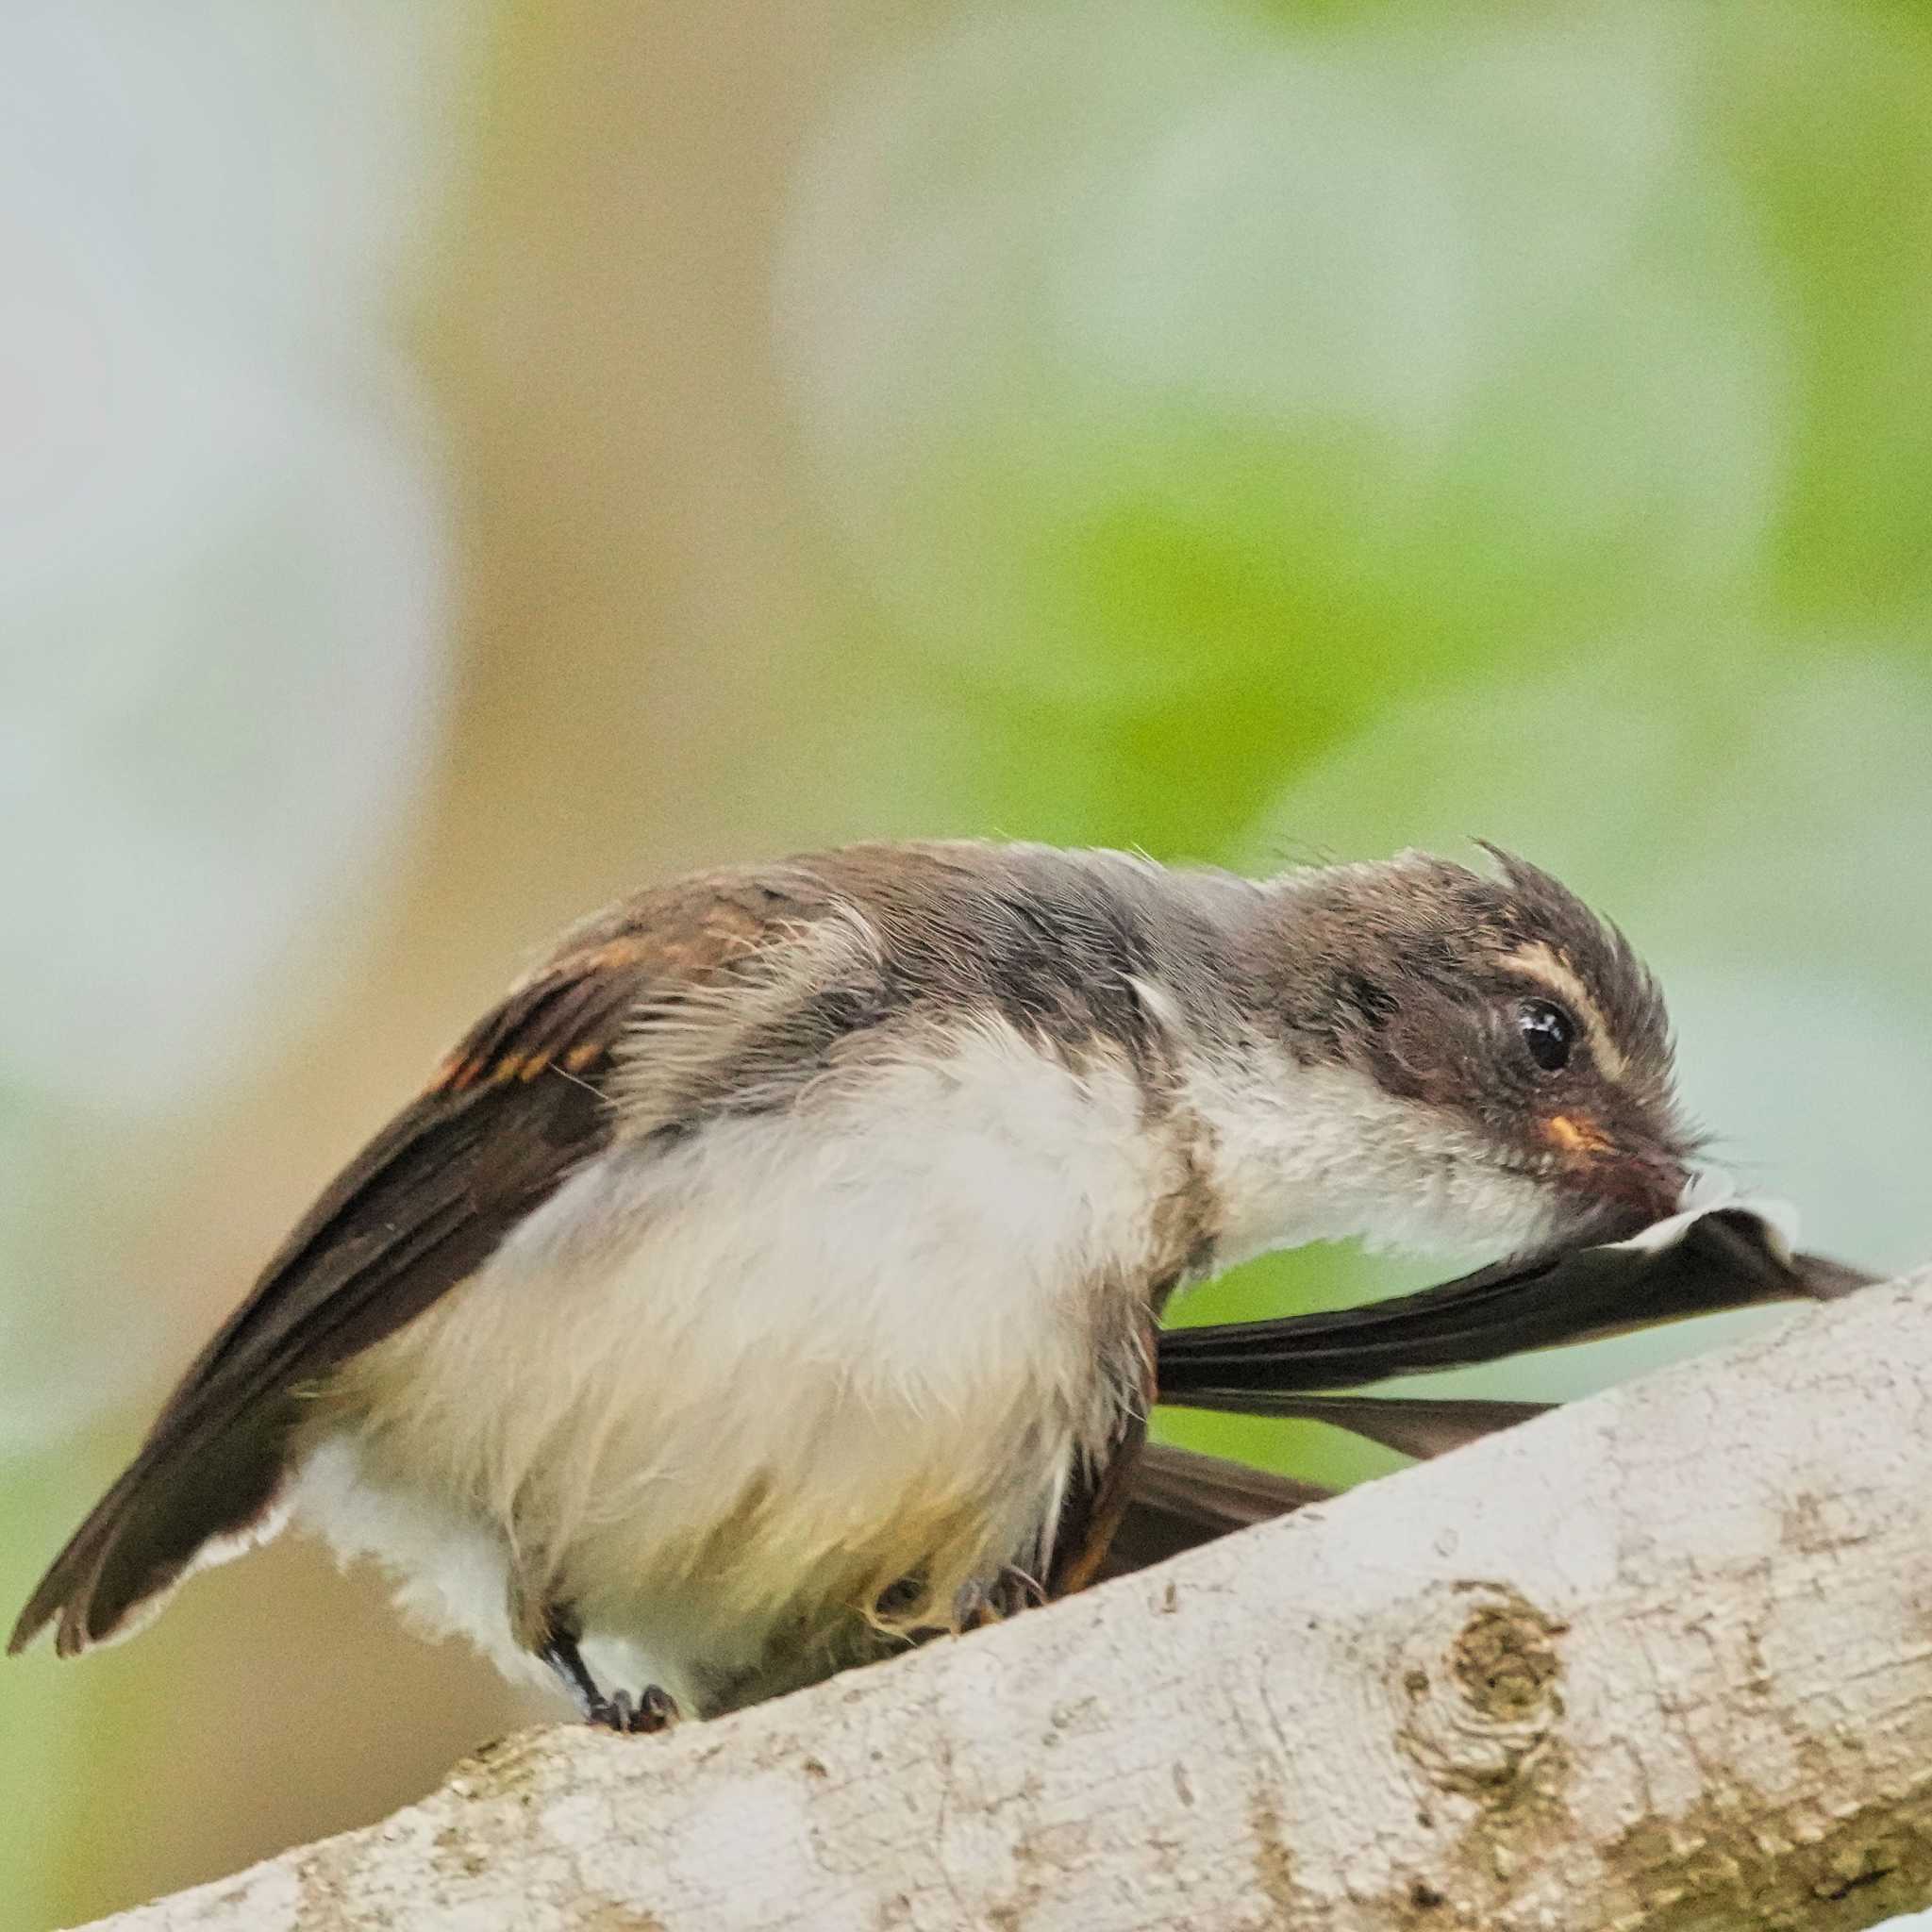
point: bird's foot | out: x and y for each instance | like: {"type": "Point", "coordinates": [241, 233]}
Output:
{"type": "Point", "coordinates": [651, 1710]}
{"type": "Point", "coordinates": [996, 1599]}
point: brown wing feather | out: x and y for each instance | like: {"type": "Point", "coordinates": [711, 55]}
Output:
{"type": "Point", "coordinates": [510, 1115]}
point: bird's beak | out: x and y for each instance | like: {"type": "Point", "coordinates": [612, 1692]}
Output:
{"type": "Point", "coordinates": [1621, 1179]}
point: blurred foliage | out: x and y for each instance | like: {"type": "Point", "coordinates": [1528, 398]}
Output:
{"type": "Point", "coordinates": [1247, 431]}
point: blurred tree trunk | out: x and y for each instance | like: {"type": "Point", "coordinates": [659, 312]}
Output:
{"type": "Point", "coordinates": [1662, 1661]}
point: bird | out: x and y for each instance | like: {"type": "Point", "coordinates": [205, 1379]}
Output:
{"type": "Point", "coordinates": [772, 1278]}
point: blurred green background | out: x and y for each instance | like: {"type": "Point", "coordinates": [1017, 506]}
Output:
{"type": "Point", "coordinates": [462, 461]}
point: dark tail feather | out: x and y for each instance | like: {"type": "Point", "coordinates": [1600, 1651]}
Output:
{"type": "Point", "coordinates": [1726, 1258]}
{"type": "Point", "coordinates": [1411, 1425]}
{"type": "Point", "coordinates": [146, 1532]}
{"type": "Point", "coordinates": [216, 1457]}
{"type": "Point", "coordinates": [1179, 1499]}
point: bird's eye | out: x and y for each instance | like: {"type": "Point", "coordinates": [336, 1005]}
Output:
{"type": "Point", "coordinates": [1548, 1032]}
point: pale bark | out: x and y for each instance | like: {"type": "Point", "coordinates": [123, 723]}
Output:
{"type": "Point", "coordinates": [1662, 1661]}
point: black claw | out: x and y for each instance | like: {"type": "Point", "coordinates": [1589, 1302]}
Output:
{"type": "Point", "coordinates": [1005, 1596]}
{"type": "Point", "coordinates": [656, 1710]}
{"type": "Point", "coordinates": [609, 1713]}
{"type": "Point", "coordinates": [652, 1711]}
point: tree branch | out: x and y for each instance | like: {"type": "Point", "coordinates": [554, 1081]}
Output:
{"type": "Point", "coordinates": [1659, 1662]}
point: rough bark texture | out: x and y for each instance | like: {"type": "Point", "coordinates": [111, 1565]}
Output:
{"type": "Point", "coordinates": [1660, 1662]}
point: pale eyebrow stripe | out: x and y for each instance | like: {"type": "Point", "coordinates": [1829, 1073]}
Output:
{"type": "Point", "coordinates": [1538, 962]}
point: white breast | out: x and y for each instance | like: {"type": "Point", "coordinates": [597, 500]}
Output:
{"type": "Point", "coordinates": [758, 1376]}
{"type": "Point", "coordinates": [1305, 1154]}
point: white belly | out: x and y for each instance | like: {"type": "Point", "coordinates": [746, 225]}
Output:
{"type": "Point", "coordinates": [737, 1387]}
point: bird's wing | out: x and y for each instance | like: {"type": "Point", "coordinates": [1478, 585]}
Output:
{"type": "Point", "coordinates": [520, 1105]}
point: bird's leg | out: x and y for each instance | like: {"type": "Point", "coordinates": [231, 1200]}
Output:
{"type": "Point", "coordinates": [651, 1710]}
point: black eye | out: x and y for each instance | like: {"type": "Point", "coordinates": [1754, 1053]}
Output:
{"type": "Point", "coordinates": [1548, 1032]}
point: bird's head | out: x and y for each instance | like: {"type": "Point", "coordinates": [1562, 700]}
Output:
{"type": "Point", "coordinates": [1521, 1047]}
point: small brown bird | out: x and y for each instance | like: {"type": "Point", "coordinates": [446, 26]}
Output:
{"type": "Point", "coordinates": [773, 1276]}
